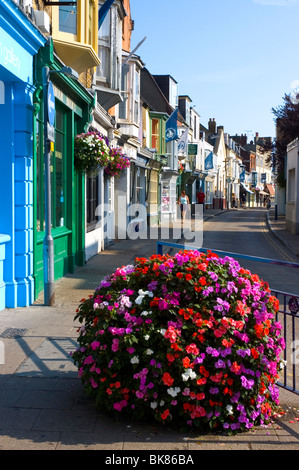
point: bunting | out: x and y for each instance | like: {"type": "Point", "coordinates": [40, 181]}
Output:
{"type": "Point", "coordinates": [209, 161]}
{"type": "Point", "coordinates": [183, 141]}
{"type": "Point", "coordinates": [171, 132]}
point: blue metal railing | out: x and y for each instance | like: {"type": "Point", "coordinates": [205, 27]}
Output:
{"type": "Point", "coordinates": [160, 245]}
{"type": "Point", "coordinates": [288, 312]}
{"type": "Point", "coordinates": [288, 317]}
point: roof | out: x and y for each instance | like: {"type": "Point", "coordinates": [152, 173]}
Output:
{"type": "Point", "coordinates": [152, 95]}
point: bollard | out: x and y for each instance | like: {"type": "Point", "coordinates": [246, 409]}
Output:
{"type": "Point", "coordinates": [275, 211]}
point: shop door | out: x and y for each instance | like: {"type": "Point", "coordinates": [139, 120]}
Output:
{"type": "Point", "coordinates": [61, 200]}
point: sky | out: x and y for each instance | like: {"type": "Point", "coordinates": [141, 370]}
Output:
{"type": "Point", "coordinates": [235, 59]}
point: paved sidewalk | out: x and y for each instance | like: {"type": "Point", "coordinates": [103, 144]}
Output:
{"type": "Point", "coordinates": [278, 228]}
{"type": "Point", "coordinates": [42, 403]}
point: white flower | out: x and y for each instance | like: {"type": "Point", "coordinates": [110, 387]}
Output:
{"type": "Point", "coordinates": [153, 405]}
{"type": "Point", "coordinates": [173, 391]}
{"type": "Point", "coordinates": [282, 364]}
{"type": "Point", "coordinates": [162, 331]}
{"type": "Point", "coordinates": [162, 403]}
{"type": "Point", "coordinates": [188, 374]}
{"type": "Point", "coordinates": [145, 292]}
{"type": "Point", "coordinates": [149, 352]}
{"type": "Point", "coordinates": [229, 409]}
{"type": "Point", "coordinates": [146, 337]}
{"type": "Point", "coordinates": [144, 313]}
{"type": "Point", "coordinates": [185, 376]}
{"type": "Point", "coordinates": [134, 360]}
{"type": "Point", "coordinates": [192, 374]}
{"type": "Point", "coordinates": [142, 294]}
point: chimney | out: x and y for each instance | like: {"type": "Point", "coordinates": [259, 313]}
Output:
{"type": "Point", "coordinates": [243, 140]}
{"type": "Point", "coordinates": [212, 126]}
{"type": "Point", "coordinates": [256, 137]}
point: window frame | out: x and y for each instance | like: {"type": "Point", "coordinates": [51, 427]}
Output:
{"type": "Point", "coordinates": [92, 202]}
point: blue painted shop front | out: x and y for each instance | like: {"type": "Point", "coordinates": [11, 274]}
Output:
{"type": "Point", "coordinates": [19, 42]}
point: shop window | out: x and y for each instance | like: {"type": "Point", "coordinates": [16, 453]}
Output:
{"type": "Point", "coordinates": [103, 70]}
{"type": "Point", "coordinates": [155, 134]}
{"type": "Point", "coordinates": [173, 93]}
{"type": "Point", "coordinates": [92, 202]}
{"type": "Point", "coordinates": [136, 97]}
{"type": "Point", "coordinates": [291, 185]}
{"type": "Point", "coordinates": [58, 171]}
{"type": "Point", "coordinates": [123, 106]}
{"type": "Point", "coordinates": [68, 19]}
{"type": "Point", "coordinates": [130, 90]}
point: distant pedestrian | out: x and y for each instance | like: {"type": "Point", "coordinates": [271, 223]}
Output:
{"type": "Point", "coordinates": [183, 201]}
{"type": "Point", "coordinates": [200, 196]}
{"type": "Point", "coordinates": [268, 203]}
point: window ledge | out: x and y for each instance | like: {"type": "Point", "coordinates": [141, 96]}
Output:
{"type": "Point", "coordinates": [77, 55]}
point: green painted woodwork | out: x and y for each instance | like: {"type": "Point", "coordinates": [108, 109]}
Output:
{"type": "Point", "coordinates": [74, 106]}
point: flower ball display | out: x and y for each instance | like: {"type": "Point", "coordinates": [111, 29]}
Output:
{"type": "Point", "coordinates": [190, 339]}
{"type": "Point", "coordinates": [91, 152]}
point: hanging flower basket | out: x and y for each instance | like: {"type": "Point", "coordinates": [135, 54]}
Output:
{"type": "Point", "coordinates": [189, 339]}
{"type": "Point", "coordinates": [91, 152]}
{"type": "Point", "coordinates": [117, 162]}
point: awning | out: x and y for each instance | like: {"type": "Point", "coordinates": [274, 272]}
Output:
{"type": "Point", "coordinates": [246, 189]}
{"type": "Point", "coordinates": [108, 97]}
{"type": "Point", "coordinates": [263, 192]}
{"type": "Point", "coordinates": [270, 189]}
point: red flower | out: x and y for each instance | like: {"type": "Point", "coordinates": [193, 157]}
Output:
{"type": "Point", "coordinates": [165, 414]}
{"type": "Point", "coordinates": [192, 349]}
{"type": "Point", "coordinates": [204, 371]}
{"type": "Point", "coordinates": [201, 381]}
{"type": "Point", "coordinates": [235, 368]}
{"type": "Point", "coordinates": [167, 379]}
{"type": "Point", "coordinates": [254, 353]}
{"type": "Point", "coordinates": [200, 396]}
{"type": "Point", "coordinates": [170, 357]}
{"type": "Point", "coordinates": [186, 362]}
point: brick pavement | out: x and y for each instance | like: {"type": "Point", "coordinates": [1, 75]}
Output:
{"type": "Point", "coordinates": [43, 406]}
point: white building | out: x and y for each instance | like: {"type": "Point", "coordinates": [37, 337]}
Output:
{"type": "Point", "coordinates": [292, 188]}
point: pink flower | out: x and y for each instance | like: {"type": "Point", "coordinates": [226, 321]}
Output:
{"type": "Point", "coordinates": [163, 304]}
{"type": "Point", "coordinates": [94, 345]}
{"type": "Point", "coordinates": [192, 349]}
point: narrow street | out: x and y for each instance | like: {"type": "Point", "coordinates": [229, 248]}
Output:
{"type": "Point", "coordinates": [246, 232]}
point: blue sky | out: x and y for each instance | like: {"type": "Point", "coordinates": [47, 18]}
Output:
{"type": "Point", "coordinates": [235, 58]}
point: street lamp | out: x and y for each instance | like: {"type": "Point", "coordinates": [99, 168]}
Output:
{"type": "Point", "coordinates": [49, 138]}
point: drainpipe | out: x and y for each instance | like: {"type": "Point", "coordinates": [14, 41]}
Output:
{"type": "Point", "coordinates": [48, 244]}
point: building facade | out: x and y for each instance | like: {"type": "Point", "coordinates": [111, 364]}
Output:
{"type": "Point", "coordinates": [20, 42]}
